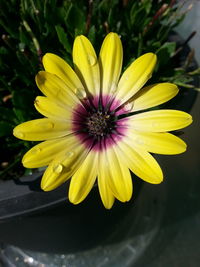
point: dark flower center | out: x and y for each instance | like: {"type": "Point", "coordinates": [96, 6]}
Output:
{"type": "Point", "coordinates": [100, 124]}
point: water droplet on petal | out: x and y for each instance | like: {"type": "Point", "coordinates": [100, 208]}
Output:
{"type": "Point", "coordinates": [80, 93]}
{"type": "Point", "coordinates": [155, 124]}
{"type": "Point", "coordinates": [139, 141]}
{"type": "Point", "coordinates": [113, 87]}
{"type": "Point", "coordinates": [92, 60]}
{"type": "Point", "coordinates": [128, 106]}
{"type": "Point", "coordinates": [19, 134]}
{"type": "Point", "coordinates": [116, 138]}
{"type": "Point", "coordinates": [70, 154]}
{"type": "Point", "coordinates": [58, 168]}
{"type": "Point", "coordinates": [36, 150]}
{"type": "Point", "coordinates": [48, 125]}
{"type": "Point", "coordinates": [126, 78]}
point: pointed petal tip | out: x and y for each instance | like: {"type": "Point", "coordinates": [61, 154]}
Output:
{"type": "Point", "coordinates": [73, 200]}
{"type": "Point", "coordinates": [156, 179]}
{"type": "Point", "coordinates": [17, 132]}
{"type": "Point", "coordinates": [108, 207]}
{"type": "Point", "coordinates": [25, 162]}
{"type": "Point", "coordinates": [150, 57]}
{"type": "Point", "coordinates": [46, 55]}
{"type": "Point", "coordinates": [40, 77]}
{"type": "Point", "coordinates": [45, 186]}
{"type": "Point", "coordinates": [188, 119]}
{"type": "Point", "coordinates": [183, 149]}
{"type": "Point", "coordinates": [80, 38]}
{"type": "Point", "coordinates": [112, 35]}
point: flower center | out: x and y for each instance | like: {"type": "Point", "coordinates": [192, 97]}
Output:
{"type": "Point", "coordinates": [100, 124]}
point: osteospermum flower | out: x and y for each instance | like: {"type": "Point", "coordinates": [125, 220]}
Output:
{"type": "Point", "coordinates": [93, 126]}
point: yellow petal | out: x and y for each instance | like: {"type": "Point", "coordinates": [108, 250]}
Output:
{"type": "Point", "coordinates": [106, 194]}
{"type": "Point", "coordinates": [58, 66]}
{"type": "Point", "coordinates": [110, 62]}
{"type": "Point", "coordinates": [43, 153]}
{"type": "Point", "coordinates": [86, 64]}
{"type": "Point", "coordinates": [160, 120]}
{"type": "Point", "coordinates": [161, 143]}
{"type": "Point", "coordinates": [51, 109]}
{"type": "Point", "coordinates": [139, 162]}
{"type": "Point", "coordinates": [63, 166]}
{"type": "Point", "coordinates": [42, 129]}
{"type": "Point", "coordinates": [154, 95]}
{"type": "Point", "coordinates": [136, 75]}
{"type": "Point", "coordinates": [84, 178]}
{"type": "Point", "coordinates": [56, 89]}
{"type": "Point", "coordinates": [118, 175]}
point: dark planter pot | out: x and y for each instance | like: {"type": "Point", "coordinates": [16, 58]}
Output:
{"type": "Point", "coordinates": [40, 221]}
{"type": "Point", "coordinates": [46, 221]}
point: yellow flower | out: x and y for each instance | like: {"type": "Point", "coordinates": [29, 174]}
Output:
{"type": "Point", "coordinates": [93, 126]}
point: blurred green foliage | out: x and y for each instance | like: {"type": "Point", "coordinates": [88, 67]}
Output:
{"type": "Point", "coordinates": [30, 28]}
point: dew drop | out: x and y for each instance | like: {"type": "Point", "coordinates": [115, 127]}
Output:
{"type": "Point", "coordinates": [139, 141]}
{"type": "Point", "coordinates": [80, 93]}
{"type": "Point", "coordinates": [113, 87]}
{"type": "Point", "coordinates": [36, 150]}
{"type": "Point", "coordinates": [58, 168]}
{"type": "Point", "coordinates": [92, 60]}
{"type": "Point", "coordinates": [155, 124]}
{"type": "Point", "coordinates": [128, 106]}
{"type": "Point", "coordinates": [116, 138]}
{"type": "Point", "coordinates": [126, 78]}
{"type": "Point", "coordinates": [19, 134]}
{"type": "Point", "coordinates": [70, 154]}
{"type": "Point", "coordinates": [48, 125]}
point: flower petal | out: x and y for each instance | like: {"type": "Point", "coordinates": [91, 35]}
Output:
{"type": "Point", "coordinates": [154, 95]}
{"type": "Point", "coordinates": [58, 66]}
{"type": "Point", "coordinates": [56, 89]}
{"type": "Point", "coordinates": [51, 109]}
{"type": "Point", "coordinates": [106, 194]}
{"type": "Point", "coordinates": [42, 129]}
{"type": "Point", "coordinates": [42, 154]}
{"type": "Point", "coordinates": [136, 75]}
{"type": "Point", "coordinates": [63, 166]}
{"type": "Point", "coordinates": [110, 62]}
{"type": "Point", "coordinates": [84, 178]}
{"type": "Point", "coordinates": [86, 64]}
{"type": "Point", "coordinates": [118, 175]}
{"type": "Point", "coordinates": [139, 162]}
{"type": "Point", "coordinates": [161, 143]}
{"type": "Point", "coordinates": [160, 120]}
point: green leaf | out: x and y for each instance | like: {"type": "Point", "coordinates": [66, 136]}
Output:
{"type": "Point", "coordinates": [23, 104]}
{"type": "Point", "coordinates": [195, 72]}
{"type": "Point", "coordinates": [165, 52]}
{"type": "Point", "coordinates": [147, 5]}
{"type": "Point", "coordinates": [76, 19]}
{"type": "Point", "coordinates": [169, 47]}
{"type": "Point", "coordinates": [92, 34]}
{"type": "Point", "coordinates": [62, 36]}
